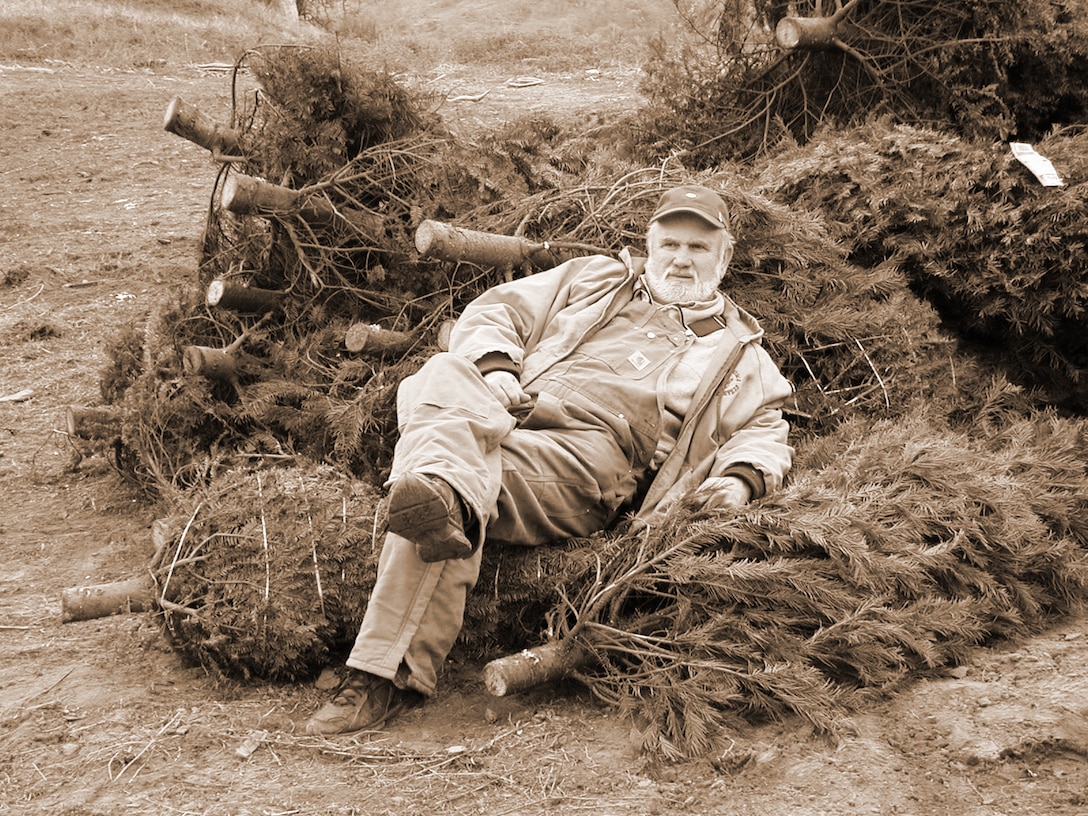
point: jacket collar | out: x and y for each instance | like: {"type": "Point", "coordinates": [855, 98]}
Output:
{"type": "Point", "coordinates": [743, 324]}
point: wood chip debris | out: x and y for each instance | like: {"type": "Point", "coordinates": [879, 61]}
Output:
{"type": "Point", "coordinates": [524, 82]}
{"type": "Point", "coordinates": [469, 97]}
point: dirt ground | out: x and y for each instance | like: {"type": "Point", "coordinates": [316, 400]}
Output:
{"type": "Point", "coordinates": [100, 214]}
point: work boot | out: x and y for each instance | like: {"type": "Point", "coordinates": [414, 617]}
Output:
{"type": "Point", "coordinates": [363, 701]}
{"type": "Point", "coordinates": [429, 513]}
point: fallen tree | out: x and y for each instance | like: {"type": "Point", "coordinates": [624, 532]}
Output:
{"type": "Point", "coordinates": [774, 72]}
{"type": "Point", "coordinates": [895, 550]}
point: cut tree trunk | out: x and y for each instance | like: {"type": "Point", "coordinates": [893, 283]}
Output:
{"type": "Point", "coordinates": [100, 600]}
{"type": "Point", "coordinates": [213, 363]}
{"type": "Point", "coordinates": [533, 667]}
{"type": "Point", "coordinates": [806, 32]}
{"type": "Point", "coordinates": [242, 298]}
{"type": "Point", "coordinates": [218, 364]}
{"type": "Point", "coordinates": [246, 195]}
{"type": "Point", "coordinates": [442, 336]}
{"type": "Point", "coordinates": [370, 338]}
{"type": "Point", "coordinates": [188, 122]}
{"type": "Point", "coordinates": [94, 423]}
{"type": "Point", "coordinates": [448, 243]}
{"type": "Point", "coordinates": [373, 339]}
{"type": "Point", "coordinates": [814, 32]}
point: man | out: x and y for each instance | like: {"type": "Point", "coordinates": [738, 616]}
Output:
{"type": "Point", "coordinates": [567, 398]}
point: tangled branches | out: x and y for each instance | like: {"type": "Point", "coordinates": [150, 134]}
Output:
{"type": "Point", "coordinates": [777, 71]}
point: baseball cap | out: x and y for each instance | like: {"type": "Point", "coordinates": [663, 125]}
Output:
{"type": "Point", "coordinates": [694, 199]}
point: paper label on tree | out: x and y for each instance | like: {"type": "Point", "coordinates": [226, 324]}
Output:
{"type": "Point", "coordinates": [1040, 166]}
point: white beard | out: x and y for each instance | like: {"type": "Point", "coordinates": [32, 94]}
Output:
{"type": "Point", "coordinates": [670, 290]}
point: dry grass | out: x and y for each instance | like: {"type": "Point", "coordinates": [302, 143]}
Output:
{"type": "Point", "coordinates": [121, 33]}
{"type": "Point", "coordinates": [566, 35]}
{"type": "Point", "coordinates": [519, 35]}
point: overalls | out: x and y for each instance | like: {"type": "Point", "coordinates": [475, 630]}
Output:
{"type": "Point", "coordinates": [565, 470]}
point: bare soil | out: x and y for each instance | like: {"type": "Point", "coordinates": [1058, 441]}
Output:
{"type": "Point", "coordinates": [100, 215]}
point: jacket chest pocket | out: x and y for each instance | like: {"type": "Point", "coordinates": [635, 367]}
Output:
{"type": "Point", "coordinates": [631, 351]}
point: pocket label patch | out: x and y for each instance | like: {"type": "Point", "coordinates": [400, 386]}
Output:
{"type": "Point", "coordinates": [638, 360]}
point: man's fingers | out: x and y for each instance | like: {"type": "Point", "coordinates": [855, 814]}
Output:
{"type": "Point", "coordinates": [506, 388]}
{"type": "Point", "coordinates": [722, 492]}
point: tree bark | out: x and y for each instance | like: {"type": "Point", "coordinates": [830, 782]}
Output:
{"type": "Point", "coordinates": [188, 122]}
{"type": "Point", "coordinates": [101, 600]}
{"type": "Point", "coordinates": [213, 363]}
{"type": "Point", "coordinates": [532, 667]}
{"type": "Point", "coordinates": [819, 31]}
{"type": "Point", "coordinates": [445, 242]}
{"type": "Point", "coordinates": [245, 195]}
{"type": "Point", "coordinates": [806, 32]}
{"type": "Point", "coordinates": [242, 298]}
{"type": "Point", "coordinates": [373, 339]}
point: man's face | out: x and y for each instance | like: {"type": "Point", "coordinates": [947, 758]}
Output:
{"type": "Point", "coordinates": [687, 259]}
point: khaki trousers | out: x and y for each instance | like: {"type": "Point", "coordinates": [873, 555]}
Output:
{"type": "Point", "coordinates": [559, 473]}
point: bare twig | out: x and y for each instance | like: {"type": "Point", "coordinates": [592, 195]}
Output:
{"type": "Point", "coordinates": [170, 724]}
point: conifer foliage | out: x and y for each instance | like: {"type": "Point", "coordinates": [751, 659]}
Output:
{"type": "Point", "coordinates": [934, 506]}
{"type": "Point", "coordinates": [1001, 257]}
{"type": "Point", "coordinates": [267, 570]}
{"type": "Point", "coordinates": [980, 68]}
{"type": "Point", "coordinates": [896, 549]}
{"type": "Point", "coordinates": [265, 573]}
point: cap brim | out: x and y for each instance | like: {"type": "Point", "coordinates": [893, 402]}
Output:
{"type": "Point", "coordinates": [710, 219]}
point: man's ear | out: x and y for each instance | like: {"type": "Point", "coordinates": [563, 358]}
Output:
{"type": "Point", "coordinates": [727, 256]}
{"type": "Point", "coordinates": [651, 233]}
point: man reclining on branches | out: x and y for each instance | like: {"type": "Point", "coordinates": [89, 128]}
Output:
{"type": "Point", "coordinates": [567, 398]}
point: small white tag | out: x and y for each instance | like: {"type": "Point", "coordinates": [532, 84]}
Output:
{"type": "Point", "coordinates": [1040, 166]}
{"type": "Point", "coordinates": [638, 360]}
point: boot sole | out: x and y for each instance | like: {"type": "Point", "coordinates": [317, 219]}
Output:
{"type": "Point", "coordinates": [419, 513]}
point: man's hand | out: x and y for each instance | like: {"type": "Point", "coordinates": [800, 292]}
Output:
{"type": "Point", "coordinates": [507, 389]}
{"type": "Point", "coordinates": [719, 492]}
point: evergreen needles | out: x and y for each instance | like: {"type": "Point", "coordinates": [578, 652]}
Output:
{"type": "Point", "coordinates": [933, 506]}
{"type": "Point", "coordinates": [896, 549]}
{"type": "Point", "coordinates": [265, 573]}
{"type": "Point", "coordinates": [268, 571]}
{"type": "Point", "coordinates": [969, 230]}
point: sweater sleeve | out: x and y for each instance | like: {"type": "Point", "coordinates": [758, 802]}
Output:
{"type": "Point", "coordinates": [496, 361]}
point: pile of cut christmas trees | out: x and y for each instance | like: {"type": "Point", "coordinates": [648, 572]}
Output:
{"type": "Point", "coordinates": [925, 294]}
